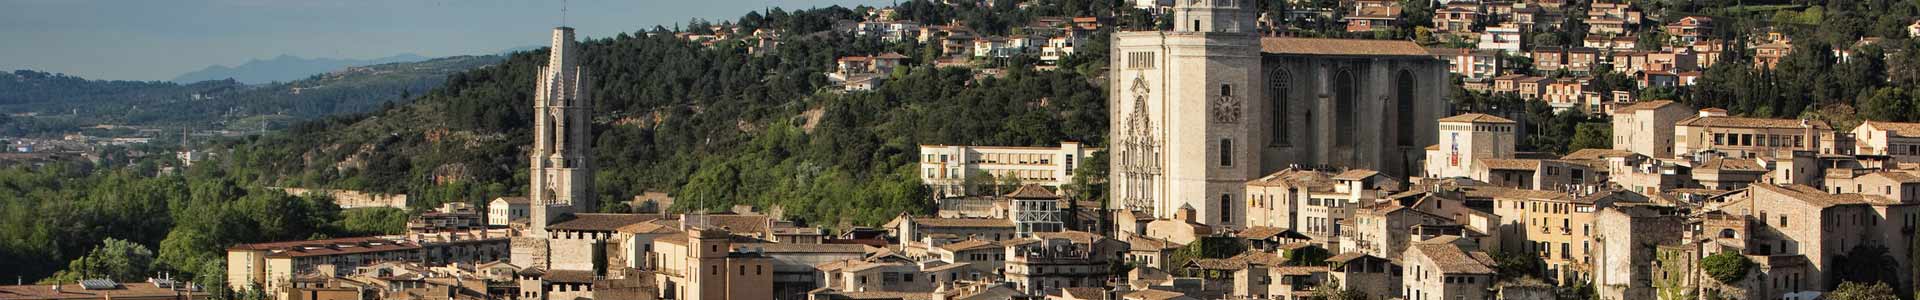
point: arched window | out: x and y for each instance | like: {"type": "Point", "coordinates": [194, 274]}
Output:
{"type": "Point", "coordinates": [1226, 90]}
{"type": "Point", "coordinates": [1279, 91]}
{"type": "Point", "coordinates": [1404, 110]}
{"type": "Point", "coordinates": [1343, 109]}
{"type": "Point", "coordinates": [1226, 152]}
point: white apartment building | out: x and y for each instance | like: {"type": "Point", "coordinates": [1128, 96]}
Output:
{"type": "Point", "coordinates": [947, 167]}
{"type": "Point", "coordinates": [1465, 140]}
{"type": "Point", "coordinates": [503, 211]}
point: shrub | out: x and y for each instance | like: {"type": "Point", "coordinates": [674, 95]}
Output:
{"type": "Point", "coordinates": [1727, 267]}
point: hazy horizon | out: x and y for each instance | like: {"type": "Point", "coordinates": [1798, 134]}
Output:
{"type": "Point", "coordinates": [157, 40]}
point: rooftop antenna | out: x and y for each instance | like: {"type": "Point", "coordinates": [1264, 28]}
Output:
{"type": "Point", "coordinates": [563, 13]}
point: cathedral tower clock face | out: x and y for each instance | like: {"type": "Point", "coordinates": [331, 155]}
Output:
{"type": "Point", "coordinates": [1226, 109]}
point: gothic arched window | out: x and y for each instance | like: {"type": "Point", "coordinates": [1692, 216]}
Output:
{"type": "Point", "coordinates": [1279, 91]}
{"type": "Point", "coordinates": [1343, 108]}
{"type": "Point", "coordinates": [1404, 108]}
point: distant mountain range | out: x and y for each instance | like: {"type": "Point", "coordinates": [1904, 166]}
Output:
{"type": "Point", "coordinates": [64, 102]}
{"type": "Point", "coordinates": [285, 68]}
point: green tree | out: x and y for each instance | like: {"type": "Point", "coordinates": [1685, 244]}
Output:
{"type": "Point", "coordinates": [1592, 135]}
{"type": "Point", "coordinates": [374, 221]}
{"type": "Point", "coordinates": [1205, 247]}
{"type": "Point", "coordinates": [1514, 266]}
{"type": "Point", "coordinates": [1727, 267]}
{"type": "Point", "coordinates": [1887, 104]}
{"type": "Point", "coordinates": [1333, 292]}
{"type": "Point", "coordinates": [1866, 263]}
{"type": "Point", "coordinates": [981, 182]}
{"type": "Point", "coordinates": [115, 259]}
{"type": "Point", "coordinates": [1862, 291]}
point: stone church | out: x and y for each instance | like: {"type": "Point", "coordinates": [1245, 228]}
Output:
{"type": "Point", "coordinates": [1199, 110]}
{"type": "Point", "coordinates": [561, 173]}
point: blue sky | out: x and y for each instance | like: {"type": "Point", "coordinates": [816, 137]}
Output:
{"type": "Point", "coordinates": [158, 39]}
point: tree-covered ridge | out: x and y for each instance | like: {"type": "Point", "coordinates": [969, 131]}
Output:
{"type": "Point", "coordinates": [714, 125]}
{"type": "Point", "coordinates": [114, 215]}
{"type": "Point", "coordinates": [64, 102]}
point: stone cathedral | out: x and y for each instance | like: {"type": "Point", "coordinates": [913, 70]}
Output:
{"type": "Point", "coordinates": [562, 171]}
{"type": "Point", "coordinates": [1200, 110]}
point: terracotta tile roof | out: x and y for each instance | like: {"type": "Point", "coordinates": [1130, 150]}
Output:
{"type": "Point", "coordinates": [1451, 260]}
{"type": "Point", "coordinates": [1152, 294]}
{"type": "Point", "coordinates": [570, 276]}
{"type": "Point", "coordinates": [1304, 179]}
{"type": "Point", "coordinates": [1897, 176]}
{"type": "Point", "coordinates": [807, 248]}
{"type": "Point", "coordinates": [1355, 174]}
{"type": "Point", "coordinates": [1586, 154]}
{"type": "Point", "coordinates": [1813, 196]}
{"type": "Point", "coordinates": [1349, 256]}
{"type": "Point", "coordinates": [1299, 270]}
{"type": "Point", "coordinates": [1032, 191]}
{"type": "Point", "coordinates": [1259, 257]}
{"type": "Point", "coordinates": [1898, 129]}
{"type": "Point", "coordinates": [1636, 106]}
{"type": "Point", "coordinates": [1215, 264]}
{"type": "Point", "coordinates": [964, 222]}
{"type": "Point", "coordinates": [873, 295]}
{"type": "Point", "coordinates": [945, 267]}
{"type": "Point", "coordinates": [1089, 293]}
{"type": "Point", "coordinates": [515, 200]}
{"type": "Point", "coordinates": [831, 266]}
{"type": "Point", "coordinates": [860, 265]}
{"type": "Point", "coordinates": [129, 290]}
{"type": "Point", "coordinates": [301, 243]}
{"type": "Point", "coordinates": [1476, 118]}
{"type": "Point", "coordinates": [1354, 47]}
{"type": "Point", "coordinates": [602, 222]}
{"type": "Point", "coordinates": [1377, 12]}
{"type": "Point", "coordinates": [1731, 164]}
{"type": "Point", "coordinates": [1140, 243]}
{"type": "Point", "coordinates": [1743, 122]}
{"type": "Point", "coordinates": [341, 246]}
{"type": "Point", "coordinates": [646, 228]}
{"type": "Point", "coordinates": [968, 245]}
{"type": "Point", "coordinates": [1258, 232]}
{"type": "Point", "coordinates": [1510, 164]}
{"type": "Point", "coordinates": [1533, 195]}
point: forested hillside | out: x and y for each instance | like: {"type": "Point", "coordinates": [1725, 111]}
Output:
{"type": "Point", "coordinates": [714, 125]}
{"type": "Point", "coordinates": [61, 103]}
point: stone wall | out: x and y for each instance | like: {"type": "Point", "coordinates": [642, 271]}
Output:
{"type": "Point", "coordinates": [352, 198]}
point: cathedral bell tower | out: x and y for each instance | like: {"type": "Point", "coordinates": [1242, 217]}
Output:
{"type": "Point", "coordinates": [1183, 116]}
{"type": "Point", "coordinates": [562, 168]}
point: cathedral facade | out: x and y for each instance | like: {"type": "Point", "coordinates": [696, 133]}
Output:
{"type": "Point", "coordinates": [1199, 110]}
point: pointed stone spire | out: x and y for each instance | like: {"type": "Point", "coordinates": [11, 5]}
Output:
{"type": "Point", "coordinates": [561, 168]}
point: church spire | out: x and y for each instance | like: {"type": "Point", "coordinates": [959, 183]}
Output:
{"type": "Point", "coordinates": [561, 174]}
